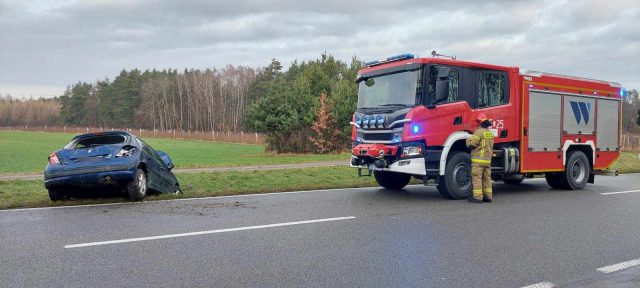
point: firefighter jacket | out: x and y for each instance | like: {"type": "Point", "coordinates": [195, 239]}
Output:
{"type": "Point", "coordinates": [481, 145]}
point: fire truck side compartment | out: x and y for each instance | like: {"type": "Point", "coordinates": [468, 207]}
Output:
{"type": "Point", "coordinates": [579, 115]}
{"type": "Point", "coordinates": [607, 124]}
{"type": "Point", "coordinates": [544, 121]}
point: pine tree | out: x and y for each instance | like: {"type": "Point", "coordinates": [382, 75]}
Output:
{"type": "Point", "coordinates": [326, 133]}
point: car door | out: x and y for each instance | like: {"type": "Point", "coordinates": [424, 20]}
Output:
{"type": "Point", "coordinates": [164, 174]}
{"type": "Point", "coordinates": [154, 174]}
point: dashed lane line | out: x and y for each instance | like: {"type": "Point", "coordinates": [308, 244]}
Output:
{"type": "Point", "coordinates": [129, 240]}
{"type": "Point", "coordinates": [619, 266]}
{"type": "Point", "coordinates": [541, 285]}
{"type": "Point", "coordinates": [621, 192]}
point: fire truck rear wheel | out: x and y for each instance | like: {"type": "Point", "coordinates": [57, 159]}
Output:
{"type": "Point", "coordinates": [392, 180]}
{"type": "Point", "coordinates": [576, 173]}
{"type": "Point", "coordinates": [456, 182]}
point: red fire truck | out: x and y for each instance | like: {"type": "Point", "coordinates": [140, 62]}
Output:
{"type": "Point", "coordinates": [414, 114]}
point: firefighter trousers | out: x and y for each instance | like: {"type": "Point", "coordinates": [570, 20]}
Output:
{"type": "Point", "coordinates": [481, 177]}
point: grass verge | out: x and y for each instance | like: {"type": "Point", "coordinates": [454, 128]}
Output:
{"type": "Point", "coordinates": [629, 162]}
{"type": "Point", "coordinates": [22, 194]}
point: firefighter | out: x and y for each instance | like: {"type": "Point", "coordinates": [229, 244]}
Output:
{"type": "Point", "coordinates": [481, 145]}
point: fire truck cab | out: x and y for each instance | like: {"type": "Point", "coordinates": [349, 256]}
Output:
{"type": "Point", "coordinates": [414, 114]}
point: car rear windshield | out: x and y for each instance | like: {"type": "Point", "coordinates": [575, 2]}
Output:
{"type": "Point", "coordinates": [96, 141]}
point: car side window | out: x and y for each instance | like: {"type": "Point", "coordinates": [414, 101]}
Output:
{"type": "Point", "coordinates": [153, 153]}
{"type": "Point", "coordinates": [491, 90]}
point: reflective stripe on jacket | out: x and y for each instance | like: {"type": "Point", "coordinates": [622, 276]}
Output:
{"type": "Point", "coordinates": [481, 145]}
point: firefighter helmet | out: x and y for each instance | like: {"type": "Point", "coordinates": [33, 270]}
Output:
{"type": "Point", "coordinates": [481, 118]}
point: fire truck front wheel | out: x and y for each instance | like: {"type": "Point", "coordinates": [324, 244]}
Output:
{"type": "Point", "coordinates": [456, 182]}
{"type": "Point", "coordinates": [392, 180]}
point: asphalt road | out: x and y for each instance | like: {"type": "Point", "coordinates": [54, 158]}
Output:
{"type": "Point", "coordinates": [367, 237]}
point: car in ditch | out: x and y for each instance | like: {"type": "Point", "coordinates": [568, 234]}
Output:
{"type": "Point", "coordinates": [109, 160]}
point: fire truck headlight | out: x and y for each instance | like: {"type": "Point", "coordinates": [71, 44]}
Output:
{"type": "Point", "coordinates": [380, 120]}
{"type": "Point", "coordinates": [359, 120]}
{"type": "Point", "coordinates": [415, 128]}
{"type": "Point", "coordinates": [372, 120]}
{"type": "Point", "coordinates": [410, 151]}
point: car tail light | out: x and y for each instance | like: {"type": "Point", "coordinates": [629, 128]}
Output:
{"type": "Point", "coordinates": [53, 159]}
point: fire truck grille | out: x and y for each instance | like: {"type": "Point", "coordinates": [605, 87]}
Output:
{"type": "Point", "coordinates": [378, 136]}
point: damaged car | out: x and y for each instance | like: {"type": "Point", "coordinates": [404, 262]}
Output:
{"type": "Point", "coordinates": [109, 160]}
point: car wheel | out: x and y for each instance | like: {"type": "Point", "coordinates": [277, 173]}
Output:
{"type": "Point", "coordinates": [392, 180]}
{"type": "Point", "coordinates": [138, 187]}
{"type": "Point", "coordinates": [56, 195]}
{"type": "Point", "coordinates": [456, 182]}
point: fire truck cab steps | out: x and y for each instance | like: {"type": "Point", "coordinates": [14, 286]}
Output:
{"type": "Point", "coordinates": [414, 114]}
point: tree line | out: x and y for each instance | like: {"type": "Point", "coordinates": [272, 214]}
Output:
{"type": "Point", "coordinates": [29, 112]}
{"type": "Point", "coordinates": [193, 100]}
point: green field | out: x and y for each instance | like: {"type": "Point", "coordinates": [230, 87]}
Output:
{"type": "Point", "coordinates": [25, 152]}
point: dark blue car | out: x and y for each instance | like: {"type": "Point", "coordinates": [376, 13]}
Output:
{"type": "Point", "coordinates": [114, 160]}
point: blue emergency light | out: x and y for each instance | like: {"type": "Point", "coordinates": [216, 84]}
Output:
{"type": "Point", "coordinates": [390, 59]}
{"type": "Point", "coordinates": [415, 128]}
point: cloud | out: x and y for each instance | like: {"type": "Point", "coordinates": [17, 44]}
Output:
{"type": "Point", "coordinates": [55, 44]}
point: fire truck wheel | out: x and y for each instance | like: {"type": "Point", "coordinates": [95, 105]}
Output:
{"type": "Point", "coordinates": [391, 180]}
{"type": "Point", "coordinates": [553, 179]}
{"type": "Point", "coordinates": [577, 170]}
{"type": "Point", "coordinates": [456, 182]}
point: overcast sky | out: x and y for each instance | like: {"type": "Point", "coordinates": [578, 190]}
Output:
{"type": "Point", "coordinates": [46, 45]}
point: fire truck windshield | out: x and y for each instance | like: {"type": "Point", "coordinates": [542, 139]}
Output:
{"type": "Point", "coordinates": [399, 90]}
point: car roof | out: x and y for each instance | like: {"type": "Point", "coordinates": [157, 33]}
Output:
{"type": "Point", "coordinates": [106, 133]}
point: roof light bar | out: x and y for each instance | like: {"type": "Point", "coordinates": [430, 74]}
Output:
{"type": "Point", "coordinates": [390, 59]}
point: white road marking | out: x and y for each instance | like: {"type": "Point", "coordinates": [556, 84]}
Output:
{"type": "Point", "coordinates": [205, 232]}
{"type": "Point", "coordinates": [619, 266]}
{"type": "Point", "coordinates": [198, 198]}
{"type": "Point", "coordinates": [621, 192]}
{"type": "Point", "coordinates": [541, 285]}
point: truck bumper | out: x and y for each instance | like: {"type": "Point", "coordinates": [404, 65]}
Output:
{"type": "Point", "coordinates": [413, 166]}
{"type": "Point", "coordinates": [364, 156]}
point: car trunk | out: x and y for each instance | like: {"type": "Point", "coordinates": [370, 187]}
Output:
{"type": "Point", "coordinates": [88, 154]}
